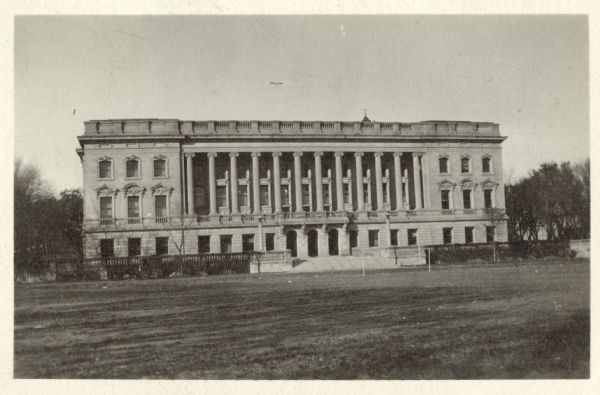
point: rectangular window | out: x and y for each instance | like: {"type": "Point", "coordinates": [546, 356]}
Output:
{"type": "Point", "coordinates": [394, 237]}
{"type": "Point", "coordinates": [464, 165]}
{"type": "Point", "coordinates": [243, 196]}
{"type": "Point", "coordinates": [221, 196]}
{"type": "Point", "coordinates": [203, 244]}
{"type": "Point", "coordinates": [469, 234]}
{"type": "Point", "coordinates": [447, 233]}
{"type": "Point", "coordinates": [443, 165]}
{"type": "Point", "coordinates": [346, 194]}
{"type": "Point", "coordinates": [487, 198]}
{"type": "Point", "coordinates": [326, 202]}
{"type": "Point", "coordinates": [412, 237]}
{"type": "Point", "coordinates": [285, 195]}
{"type": "Point", "coordinates": [160, 206]}
{"type": "Point", "coordinates": [445, 195]}
{"type": "Point", "coordinates": [106, 207]}
{"type": "Point", "coordinates": [105, 169]}
{"type": "Point", "coordinates": [353, 238]}
{"type": "Point", "coordinates": [466, 198]}
{"type": "Point", "coordinates": [107, 248]}
{"type": "Point", "coordinates": [132, 169]}
{"type": "Point", "coordinates": [490, 234]}
{"type": "Point", "coordinates": [133, 206]}
{"type": "Point", "coordinates": [226, 244]}
{"type": "Point", "coordinates": [270, 241]}
{"type": "Point", "coordinates": [160, 168]}
{"type": "Point", "coordinates": [264, 195]}
{"type": "Point", "coordinates": [162, 245]}
{"type": "Point", "coordinates": [373, 238]}
{"type": "Point", "coordinates": [305, 195]}
{"type": "Point", "coordinates": [366, 193]}
{"type": "Point", "coordinates": [134, 246]}
{"type": "Point", "coordinates": [247, 243]}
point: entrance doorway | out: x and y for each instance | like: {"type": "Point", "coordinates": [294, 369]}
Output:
{"type": "Point", "coordinates": [290, 242]}
{"type": "Point", "coordinates": [333, 242]}
{"type": "Point", "coordinates": [313, 242]}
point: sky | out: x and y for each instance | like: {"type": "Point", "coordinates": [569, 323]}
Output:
{"type": "Point", "coordinates": [527, 73]}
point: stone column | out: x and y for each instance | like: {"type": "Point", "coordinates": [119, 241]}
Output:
{"type": "Point", "coordinates": [398, 180]}
{"type": "Point", "coordinates": [255, 183]}
{"type": "Point", "coordinates": [339, 184]}
{"type": "Point", "coordinates": [378, 180]}
{"type": "Point", "coordinates": [277, 181]}
{"type": "Point", "coordinates": [260, 235]}
{"type": "Point", "coordinates": [235, 207]}
{"type": "Point", "coordinates": [298, 181]}
{"type": "Point", "coordinates": [359, 182]}
{"type": "Point", "coordinates": [417, 181]}
{"type": "Point", "coordinates": [212, 182]}
{"type": "Point", "coordinates": [425, 171]}
{"type": "Point", "coordinates": [318, 181]}
{"type": "Point", "coordinates": [189, 159]}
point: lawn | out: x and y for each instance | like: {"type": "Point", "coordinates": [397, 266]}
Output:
{"type": "Point", "coordinates": [501, 321]}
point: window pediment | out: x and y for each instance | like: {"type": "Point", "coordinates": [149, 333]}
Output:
{"type": "Point", "coordinates": [105, 190]}
{"type": "Point", "coordinates": [160, 189]}
{"type": "Point", "coordinates": [468, 184]}
{"type": "Point", "coordinates": [446, 184]}
{"type": "Point", "coordinates": [489, 183]}
{"type": "Point", "coordinates": [133, 190]}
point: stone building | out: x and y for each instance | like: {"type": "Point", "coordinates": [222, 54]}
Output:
{"type": "Point", "coordinates": [161, 186]}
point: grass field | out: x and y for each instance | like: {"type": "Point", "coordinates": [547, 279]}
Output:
{"type": "Point", "coordinates": [530, 321]}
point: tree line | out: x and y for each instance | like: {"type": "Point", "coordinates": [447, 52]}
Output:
{"type": "Point", "coordinates": [553, 199]}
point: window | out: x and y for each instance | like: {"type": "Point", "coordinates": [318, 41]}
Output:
{"type": "Point", "coordinates": [105, 169]}
{"type": "Point", "coordinates": [353, 238]}
{"type": "Point", "coordinates": [203, 244]}
{"type": "Point", "coordinates": [270, 241]}
{"type": "Point", "coordinates": [394, 237]}
{"type": "Point", "coordinates": [133, 206]}
{"type": "Point", "coordinates": [447, 233]}
{"type": "Point", "coordinates": [466, 198]}
{"type": "Point", "coordinates": [465, 165]}
{"type": "Point", "coordinates": [107, 248]}
{"type": "Point", "coordinates": [225, 244]}
{"type": "Point", "coordinates": [487, 198]}
{"type": "Point", "coordinates": [134, 246]}
{"type": "Point", "coordinates": [160, 206]}
{"type": "Point", "coordinates": [326, 204]}
{"type": "Point", "coordinates": [373, 238]}
{"type": "Point", "coordinates": [160, 168]}
{"type": "Point", "coordinates": [247, 243]}
{"type": "Point", "coordinates": [366, 187]}
{"type": "Point", "coordinates": [469, 234]}
{"type": "Point", "coordinates": [221, 196]}
{"type": "Point", "coordinates": [305, 195]}
{"type": "Point", "coordinates": [264, 195]}
{"type": "Point", "coordinates": [445, 199]}
{"type": "Point", "coordinates": [490, 234]}
{"type": "Point", "coordinates": [443, 165]}
{"type": "Point", "coordinates": [162, 245]}
{"type": "Point", "coordinates": [346, 194]}
{"type": "Point", "coordinates": [412, 237]}
{"type": "Point", "coordinates": [132, 168]}
{"type": "Point", "coordinates": [243, 195]}
{"type": "Point", "coordinates": [285, 195]}
{"type": "Point", "coordinates": [486, 163]}
{"type": "Point", "coordinates": [106, 207]}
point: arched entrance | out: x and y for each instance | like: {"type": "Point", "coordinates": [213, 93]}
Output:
{"type": "Point", "coordinates": [333, 242]}
{"type": "Point", "coordinates": [313, 242]}
{"type": "Point", "coordinates": [290, 242]}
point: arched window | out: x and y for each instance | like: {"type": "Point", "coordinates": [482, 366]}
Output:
{"type": "Point", "coordinates": [486, 164]}
{"type": "Point", "coordinates": [105, 169]}
{"type": "Point", "coordinates": [132, 167]}
{"type": "Point", "coordinates": [160, 167]}
{"type": "Point", "coordinates": [443, 165]}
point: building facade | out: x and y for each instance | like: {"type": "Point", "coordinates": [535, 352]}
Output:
{"type": "Point", "coordinates": [165, 186]}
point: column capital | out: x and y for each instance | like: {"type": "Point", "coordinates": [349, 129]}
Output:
{"type": "Point", "coordinates": [378, 154]}
{"type": "Point", "coordinates": [255, 154]}
{"type": "Point", "coordinates": [298, 153]}
{"type": "Point", "coordinates": [358, 154]}
{"type": "Point", "coordinates": [211, 154]}
{"type": "Point", "coordinates": [338, 154]}
{"type": "Point", "coordinates": [417, 153]}
{"type": "Point", "coordinates": [318, 153]}
{"type": "Point", "coordinates": [398, 154]}
{"type": "Point", "coordinates": [234, 154]}
{"type": "Point", "coordinates": [189, 154]}
{"type": "Point", "coordinates": [276, 153]}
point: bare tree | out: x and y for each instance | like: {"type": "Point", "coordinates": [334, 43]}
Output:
{"type": "Point", "coordinates": [495, 217]}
